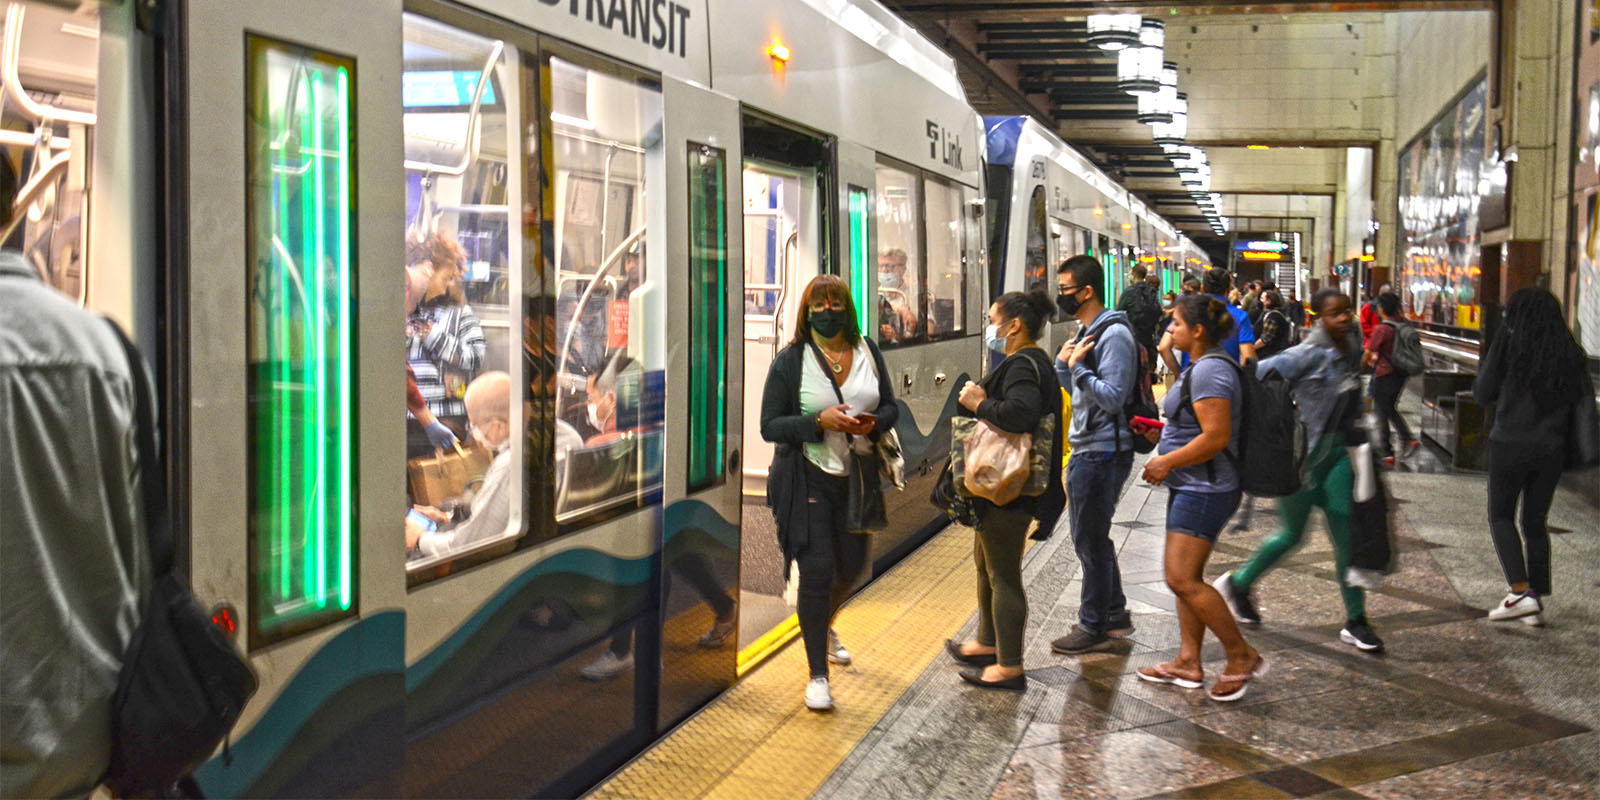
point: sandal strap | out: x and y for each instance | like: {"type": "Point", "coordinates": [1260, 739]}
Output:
{"type": "Point", "coordinates": [1245, 678]}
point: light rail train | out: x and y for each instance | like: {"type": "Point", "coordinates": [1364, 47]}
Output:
{"type": "Point", "coordinates": [304, 210]}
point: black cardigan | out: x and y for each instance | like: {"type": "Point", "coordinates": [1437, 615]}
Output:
{"type": "Point", "coordinates": [1537, 425]}
{"type": "Point", "coordinates": [783, 424]}
{"type": "Point", "coordinates": [1018, 398]}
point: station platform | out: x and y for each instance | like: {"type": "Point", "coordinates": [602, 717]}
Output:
{"type": "Point", "coordinates": [1454, 707]}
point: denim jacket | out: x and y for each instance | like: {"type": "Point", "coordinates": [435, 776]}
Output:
{"type": "Point", "coordinates": [1318, 374]}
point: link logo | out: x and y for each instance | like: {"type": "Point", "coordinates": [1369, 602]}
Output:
{"type": "Point", "coordinates": [944, 146]}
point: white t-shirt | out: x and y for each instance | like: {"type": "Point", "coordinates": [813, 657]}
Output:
{"type": "Point", "coordinates": [860, 390]}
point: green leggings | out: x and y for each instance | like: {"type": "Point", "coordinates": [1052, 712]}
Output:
{"type": "Point", "coordinates": [1330, 486]}
{"type": "Point", "coordinates": [997, 548]}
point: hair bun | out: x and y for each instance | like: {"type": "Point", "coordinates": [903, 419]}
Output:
{"type": "Point", "coordinates": [1041, 302]}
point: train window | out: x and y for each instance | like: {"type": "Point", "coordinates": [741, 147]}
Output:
{"type": "Point", "coordinates": [708, 308]}
{"type": "Point", "coordinates": [1036, 263]}
{"type": "Point", "coordinates": [899, 282]}
{"type": "Point", "coordinates": [946, 275]}
{"type": "Point", "coordinates": [610, 293]}
{"type": "Point", "coordinates": [301, 319]}
{"type": "Point", "coordinates": [463, 262]}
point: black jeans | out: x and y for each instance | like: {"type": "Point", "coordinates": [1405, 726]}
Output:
{"type": "Point", "coordinates": [1386, 395]}
{"type": "Point", "coordinates": [1513, 473]}
{"type": "Point", "coordinates": [830, 564]}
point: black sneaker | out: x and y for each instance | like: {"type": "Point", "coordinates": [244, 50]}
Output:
{"type": "Point", "coordinates": [1239, 600]}
{"type": "Point", "coordinates": [1079, 641]}
{"type": "Point", "coordinates": [1120, 625]}
{"type": "Point", "coordinates": [1359, 633]}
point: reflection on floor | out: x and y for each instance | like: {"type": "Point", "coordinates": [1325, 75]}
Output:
{"type": "Point", "coordinates": [761, 602]}
{"type": "Point", "coordinates": [1456, 708]}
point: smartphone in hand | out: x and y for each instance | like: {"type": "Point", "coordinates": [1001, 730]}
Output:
{"type": "Point", "coordinates": [1147, 422]}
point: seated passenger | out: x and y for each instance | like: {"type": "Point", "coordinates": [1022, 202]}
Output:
{"type": "Point", "coordinates": [897, 318]}
{"type": "Point", "coordinates": [604, 405]}
{"type": "Point", "coordinates": [488, 402]}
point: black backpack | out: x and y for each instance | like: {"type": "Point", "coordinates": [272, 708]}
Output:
{"type": "Point", "coordinates": [1143, 308]}
{"type": "Point", "coordinates": [1406, 357]}
{"type": "Point", "coordinates": [183, 684]}
{"type": "Point", "coordinates": [1272, 439]}
{"type": "Point", "coordinates": [1142, 401]}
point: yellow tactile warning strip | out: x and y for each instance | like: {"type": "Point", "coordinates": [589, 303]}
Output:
{"type": "Point", "coordinates": [893, 629]}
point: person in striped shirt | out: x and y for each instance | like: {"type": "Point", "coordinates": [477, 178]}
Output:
{"type": "Point", "coordinates": [444, 341]}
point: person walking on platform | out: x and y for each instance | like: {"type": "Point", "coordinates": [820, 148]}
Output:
{"type": "Point", "coordinates": [1322, 372]}
{"type": "Point", "coordinates": [1141, 305]}
{"type": "Point", "coordinates": [1389, 380]}
{"type": "Point", "coordinates": [1101, 365]}
{"type": "Point", "coordinates": [826, 393]}
{"type": "Point", "coordinates": [1203, 421]}
{"type": "Point", "coordinates": [1014, 397]}
{"type": "Point", "coordinates": [1533, 373]}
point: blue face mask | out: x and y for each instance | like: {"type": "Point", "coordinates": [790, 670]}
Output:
{"type": "Point", "coordinates": [992, 338]}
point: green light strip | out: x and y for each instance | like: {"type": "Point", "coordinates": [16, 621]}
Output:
{"type": "Point", "coordinates": [310, 259]}
{"type": "Point", "coordinates": [319, 359]}
{"type": "Point", "coordinates": [858, 254]}
{"type": "Point", "coordinates": [346, 423]}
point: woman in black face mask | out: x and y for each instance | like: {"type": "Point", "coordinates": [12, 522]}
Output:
{"type": "Point", "coordinates": [827, 393]}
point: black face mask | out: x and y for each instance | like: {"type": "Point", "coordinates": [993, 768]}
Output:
{"type": "Point", "coordinates": [1069, 304]}
{"type": "Point", "coordinates": [827, 323]}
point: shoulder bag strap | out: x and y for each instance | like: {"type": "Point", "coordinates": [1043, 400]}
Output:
{"type": "Point", "coordinates": [152, 478]}
{"type": "Point", "coordinates": [827, 375]}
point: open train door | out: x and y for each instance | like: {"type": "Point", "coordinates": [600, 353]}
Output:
{"type": "Point", "coordinates": [700, 526]}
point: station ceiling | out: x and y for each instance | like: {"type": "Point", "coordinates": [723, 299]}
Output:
{"type": "Point", "coordinates": [1032, 57]}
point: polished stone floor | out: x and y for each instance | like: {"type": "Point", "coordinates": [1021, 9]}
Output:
{"type": "Point", "coordinates": [1455, 707]}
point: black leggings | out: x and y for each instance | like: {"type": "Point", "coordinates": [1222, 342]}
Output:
{"type": "Point", "coordinates": [1514, 472]}
{"type": "Point", "coordinates": [831, 564]}
{"type": "Point", "coordinates": [1386, 396]}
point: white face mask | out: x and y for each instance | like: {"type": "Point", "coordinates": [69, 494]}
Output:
{"type": "Point", "coordinates": [594, 417]}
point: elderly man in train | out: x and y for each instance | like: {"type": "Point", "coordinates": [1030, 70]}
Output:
{"type": "Point", "coordinates": [897, 317]}
{"type": "Point", "coordinates": [428, 530]}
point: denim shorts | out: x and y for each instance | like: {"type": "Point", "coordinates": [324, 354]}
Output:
{"type": "Point", "coordinates": [1201, 514]}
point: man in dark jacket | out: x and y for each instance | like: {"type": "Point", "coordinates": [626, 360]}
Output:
{"type": "Point", "coordinates": [1142, 303]}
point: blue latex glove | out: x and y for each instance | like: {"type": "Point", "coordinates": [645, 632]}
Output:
{"type": "Point", "coordinates": [440, 435]}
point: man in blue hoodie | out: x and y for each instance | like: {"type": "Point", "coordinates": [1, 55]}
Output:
{"type": "Point", "coordinates": [1101, 364]}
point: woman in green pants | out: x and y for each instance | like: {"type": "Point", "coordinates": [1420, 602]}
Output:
{"type": "Point", "coordinates": [1322, 371]}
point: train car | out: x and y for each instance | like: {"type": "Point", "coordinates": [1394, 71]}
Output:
{"type": "Point", "coordinates": [1050, 203]}
{"type": "Point", "coordinates": [581, 245]}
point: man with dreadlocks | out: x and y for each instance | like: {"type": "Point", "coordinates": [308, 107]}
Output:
{"type": "Point", "coordinates": [1534, 373]}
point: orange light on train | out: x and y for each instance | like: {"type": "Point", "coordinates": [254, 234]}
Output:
{"type": "Point", "coordinates": [1127, 226]}
{"type": "Point", "coordinates": [778, 52]}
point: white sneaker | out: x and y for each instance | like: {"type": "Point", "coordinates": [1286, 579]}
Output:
{"type": "Point", "coordinates": [607, 666]}
{"type": "Point", "coordinates": [1515, 606]}
{"type": "Point", "coordinates": [836, 652]}
{"type": "Point", "coordinates": [818, 697]}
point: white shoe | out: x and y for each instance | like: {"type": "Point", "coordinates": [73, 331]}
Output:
{"type": "Point", "coordinates": [818, 697]}
{"type": "Point", "coordinates": [1533, 621]}
{"type": "Point", "coordinates": [1515, 606]}
{"type": "Point", "coordinates": [836, 652]}
{"type": "Point", "coordinates": [607, 666]}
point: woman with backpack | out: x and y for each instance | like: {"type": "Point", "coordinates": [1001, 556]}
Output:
{"type": "Point", "coordinates": [1014, 397]}
{"type": "Point", "coordinates": [1203, 413]}
{"type": "Point", "coordinates": [1534, 374]}
{"type": "Point", "coordinates": [1275, 331]}
{"type": "Point", "coordinates": [1388, 377]}
{"type": "Point", "coordinates": [1322, 373]}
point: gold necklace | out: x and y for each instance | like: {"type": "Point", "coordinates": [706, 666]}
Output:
{"type": "Point", "coordinates": [832, 362]}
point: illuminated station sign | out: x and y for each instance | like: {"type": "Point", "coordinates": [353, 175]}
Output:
{"type": "Point", "coordinates": [1261, 249]}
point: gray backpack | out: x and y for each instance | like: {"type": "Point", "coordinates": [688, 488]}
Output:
{"type": "Point", "coordinates": [1407, 354]}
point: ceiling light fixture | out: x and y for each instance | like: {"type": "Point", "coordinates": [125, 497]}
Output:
{"type": "Point", "coordinates": [1113, 31]}
{"type": "Point", "coordinates": [1176, 131]}
{"type": "Point", "coordinates": [1139, 68]}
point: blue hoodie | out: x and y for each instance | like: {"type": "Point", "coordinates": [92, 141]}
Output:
{"type": "Point", "coordinates": [1101, 385]}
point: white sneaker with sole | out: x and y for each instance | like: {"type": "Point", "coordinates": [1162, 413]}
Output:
{"type": "Point", "coordinates": [836, 652]}
{"type": "Point", "coordinates": [1515, 606]}
{"type": "Point", "coordinates": [818, 697]}
{"type": "Point", "coordinates": [607, 666]}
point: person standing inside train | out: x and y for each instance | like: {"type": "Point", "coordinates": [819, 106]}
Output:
{"type": "Point", "coordinates": [1014, 397]}
{"type": "Point", "coordinates": [444, 342]}
{"type": "Point", "coordinates": [77, 565]}
{"type": "Point", "coordinates": [827, 392]}
{"type": "Point", "coordinates": [1101, 365]}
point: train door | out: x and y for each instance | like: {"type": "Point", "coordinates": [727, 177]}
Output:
{"type": "Point", "coordinates": [700, 528]}
{"type": "Point", "coordinates": [786, 244]}
{"type": "Point", "coordinates": [295, 403]}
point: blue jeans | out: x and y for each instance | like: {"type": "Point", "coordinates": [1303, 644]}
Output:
{"type": "Point", "coordinates": [1094, 481]}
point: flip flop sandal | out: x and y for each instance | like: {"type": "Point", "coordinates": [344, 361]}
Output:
{"type": "Point", "coordinates": [1257, 671]}
{"type": "Point", "coordinates": [1159, 674]}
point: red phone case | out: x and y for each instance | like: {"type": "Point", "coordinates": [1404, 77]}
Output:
{"type": "Point", "coordinates": [1148, 422]}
